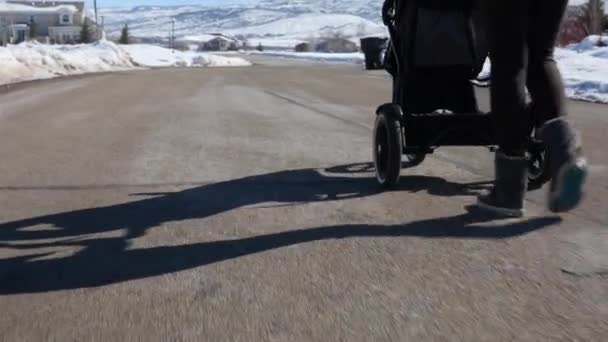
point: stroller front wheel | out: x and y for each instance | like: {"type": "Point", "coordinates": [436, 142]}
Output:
{"type": "Point", "coordinates": [388, 147]}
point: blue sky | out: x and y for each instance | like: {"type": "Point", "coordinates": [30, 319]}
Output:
{"type": "Point", "coordinates": [131, 3]}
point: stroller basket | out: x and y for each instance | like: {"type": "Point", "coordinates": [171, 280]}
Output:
{"type": "Point", "coordinates": [435, 51]}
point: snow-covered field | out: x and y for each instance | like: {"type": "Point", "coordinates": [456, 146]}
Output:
{"type": "Point", "coordinates": [32, 61]}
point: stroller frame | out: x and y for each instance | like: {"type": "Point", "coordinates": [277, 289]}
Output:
{"type": "Point", "coordinates": [399, 131]}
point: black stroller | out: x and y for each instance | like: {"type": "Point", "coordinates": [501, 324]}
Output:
{"type": "Point", "coordinates": [436, 48]}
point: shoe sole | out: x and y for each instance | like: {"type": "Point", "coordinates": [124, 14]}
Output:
{"type": "Point", "coordinates": [569, 183]}
{"type": "Point", "coordinates": [517, 213]}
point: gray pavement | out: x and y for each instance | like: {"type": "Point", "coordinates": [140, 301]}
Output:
{"type": "Point", "coordinates": [239, 205]}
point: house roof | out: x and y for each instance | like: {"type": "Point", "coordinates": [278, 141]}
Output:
{"type": "Point", "coordinates": [222, 38]}
{"type": "Point", "coordinates": [22, 8]}
{"type": "Point", "coordinates": [202, 38]}
{"type": "Point", "coordinates": [50, 2]}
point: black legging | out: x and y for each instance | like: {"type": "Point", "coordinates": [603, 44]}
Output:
{"type": "Point", "coordinates": [523, 34]}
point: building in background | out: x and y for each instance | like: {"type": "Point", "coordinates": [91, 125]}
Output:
{"type": "Point", "coordinates": [337, 45]}
{"type": "Point", "coordinates": [303, 47]}
{"type": "Point", "coordinates": [218, 42]}
{"type": "Point", "coordinates": [47, 21]}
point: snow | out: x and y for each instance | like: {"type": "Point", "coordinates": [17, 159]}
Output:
{"type": "Point", "coordinates": [156, 56]}
{"type": "Point", "coordinates": [31, 61]}
{"type": "Point", "coordinates": [589, 43]}
{"type": "Point", "coordinates": [313, 24]}
{"type": "Point", "coordinates": [584, 68]}
{"type": "Point", "coordinates": [273, 23]}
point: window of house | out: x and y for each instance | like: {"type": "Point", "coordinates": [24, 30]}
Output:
{"type": "Point", "coordinates": [65, 19]}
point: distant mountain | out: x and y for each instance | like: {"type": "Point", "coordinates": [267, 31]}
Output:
{"type": "Point", "coordinates": [282, 21]}
{"type": "Point", "coordinates": [271, 22]}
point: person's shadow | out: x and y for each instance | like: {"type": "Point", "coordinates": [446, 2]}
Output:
{"type": "Point", "coordinates": [103, 261]}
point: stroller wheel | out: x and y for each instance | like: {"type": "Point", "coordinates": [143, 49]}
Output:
{"type": "Point", "coordinates": [538, 168]}
{"type": "Point", "coordinates": [388, 147]}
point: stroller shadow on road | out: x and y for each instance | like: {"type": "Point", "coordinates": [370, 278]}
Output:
{"type": "Point", "coordinates": [108, 260]}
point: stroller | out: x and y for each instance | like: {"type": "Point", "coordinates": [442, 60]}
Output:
{"type": "Point", "coordinates": [436, 49]}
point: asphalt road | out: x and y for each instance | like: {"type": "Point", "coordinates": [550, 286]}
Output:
{"type": "Point", "coordinates": [239, 205]}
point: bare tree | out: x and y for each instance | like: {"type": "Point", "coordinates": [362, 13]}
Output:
{"type": "Point", "coordinates": [594, 16]}
{"type": "Point", "coordinates": [361, 31]}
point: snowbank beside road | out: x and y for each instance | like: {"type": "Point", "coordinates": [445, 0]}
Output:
{"type": "Point", "coordinates": [589, 44]}
{"type": "Point", "coordinates": [33, 61]}
{"type": "Point", "coordinates": [584, 68]}
{"type": "Point", "coordinates": [156, 56]}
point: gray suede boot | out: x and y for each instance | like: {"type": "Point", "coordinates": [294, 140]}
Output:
{"type": "Point", "coordinates": [507, 196]}
{"type": "Point", "coordinates": [567, 165]}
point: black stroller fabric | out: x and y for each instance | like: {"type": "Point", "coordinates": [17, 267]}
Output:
{"type": "Point", "coordinates": [435, 51]}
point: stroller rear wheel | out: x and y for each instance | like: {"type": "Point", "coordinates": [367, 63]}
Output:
{"type": "Point", "coordinates": [388, 147]}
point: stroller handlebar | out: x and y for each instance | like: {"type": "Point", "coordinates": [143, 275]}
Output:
{"type": "Point", "coordinates": [388, 12]}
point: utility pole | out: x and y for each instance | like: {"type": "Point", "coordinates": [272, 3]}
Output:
{"type": "Point", "coordinates": [103, 28]}
{"type": "Point", "coordinates": [173, 35]}
{"type": "Point", "coordinates": [595, 16]}
{"type": "Point", "coordinates": [95, 8]}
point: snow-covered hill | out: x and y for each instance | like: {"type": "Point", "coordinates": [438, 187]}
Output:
{"type": "Point", "coordinates": [283, 22]}
{"type": "Point", "coordinates": [270, 22]}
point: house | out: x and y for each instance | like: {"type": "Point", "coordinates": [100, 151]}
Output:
{"type": "Point", "coordinates": [219, 42]}
{"type": "Point", "coordinates": [54, 21]}
{"type": "Point", "coordinates": [303, 47]}
{"type": "Point", "coordinates": [573, 28]}
{"type": "Point", "coordinates": [336, 45]}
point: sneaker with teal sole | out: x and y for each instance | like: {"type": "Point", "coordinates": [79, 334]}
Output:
{"type": "Point", "coordinates": [567, 164]}
{"type": "Point", "coordinates": [566, 191]}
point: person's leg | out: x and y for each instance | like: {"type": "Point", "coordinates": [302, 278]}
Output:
{"type": "Point", "coordinates": [508, 27]}
{"type": "Point", "coordinates": [544, 79]}
{"type": "Point", "coordinates": [568, 167]}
